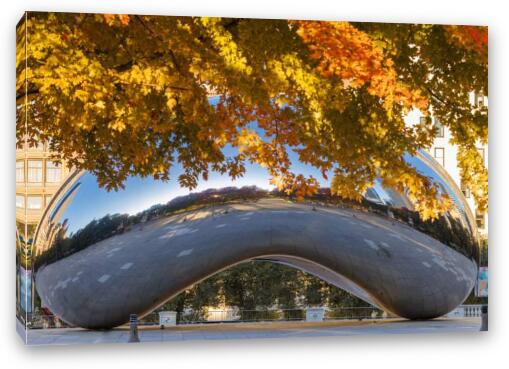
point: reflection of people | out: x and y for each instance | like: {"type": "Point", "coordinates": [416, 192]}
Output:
{"type": "Point", "coordinates": [143, 220]}
{"type": "Point", "coordinates": [57, 322]}
{"type": "Point", "coordinates": [120, 228]}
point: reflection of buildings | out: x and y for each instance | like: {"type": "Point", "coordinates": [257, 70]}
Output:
{"type": "Point", "coordinates": [445, 153]}
{"type": "Point", "coordinates": [55, 226]}
{"type": "Point", "coordinates": [38, 178]}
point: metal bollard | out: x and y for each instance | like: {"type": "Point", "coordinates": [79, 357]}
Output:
{"type": "Point", "coordinates": [133, 325]}
{"type": "Point", "coordinates": [484, 318]}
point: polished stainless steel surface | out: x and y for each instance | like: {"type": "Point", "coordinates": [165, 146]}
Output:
{"type": "Point", "coordinates": [94, 268]}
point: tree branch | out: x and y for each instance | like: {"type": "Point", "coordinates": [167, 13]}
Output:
{"type": "Point", "coordinates": [172, 54]}
{"type": "Point", "coordinates": [24, 94]}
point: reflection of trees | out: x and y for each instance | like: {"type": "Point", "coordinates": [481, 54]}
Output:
{"type": "Point", "coordinates": [447, 229]}
{"type": "Point", "coordinates": [111, 225]}
{"type": "Point", "coordinates": [483, 251]}
{"type": "Point", "coordinates": [93, 232]}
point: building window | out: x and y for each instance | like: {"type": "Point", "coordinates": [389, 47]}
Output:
{"type": "Point", "coordinates": [53, 172]}
{"type": "Point", "coordinates": [440, 155]}
{"type": "Point", "coordinates": [20, 171]}
{"type": "Point", "coordinates": [20, 201]}
{"type": "Point", "coordinates": [479, 219]}
{"type": "Point", "coordinates": [34, 202]}
{"type": "Point", "coordinates": [439, 128]}
{"type": "Point", "coordinates": [34, 171]}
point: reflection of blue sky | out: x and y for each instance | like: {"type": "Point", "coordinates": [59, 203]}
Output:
{"type": "Point", "coordinates": [139, 194]}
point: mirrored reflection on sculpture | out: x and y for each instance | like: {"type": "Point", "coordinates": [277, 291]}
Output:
{"type": "Point", "coordinates": [379, 250]}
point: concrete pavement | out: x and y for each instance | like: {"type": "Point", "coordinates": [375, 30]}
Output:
{"type": "Point", "coordinates": [239, 331]}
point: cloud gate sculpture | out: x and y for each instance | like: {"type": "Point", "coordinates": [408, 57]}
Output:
{"type": "Point", "coordinates": [379, 250]}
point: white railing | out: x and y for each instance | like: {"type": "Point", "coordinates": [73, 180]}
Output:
{"type": "Point", "coordinates": [236, 315]}
{"type": "Point", "coordinates": [466, 311]}
{"type": "Point", "coordinates": [471, 310]}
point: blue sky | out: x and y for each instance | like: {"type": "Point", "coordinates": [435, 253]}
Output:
{"type": "Point", "coordinates": [140, 193]}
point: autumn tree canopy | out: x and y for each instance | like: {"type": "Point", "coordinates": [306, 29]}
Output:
{"type": "Point", "coordinates": [122, 95]}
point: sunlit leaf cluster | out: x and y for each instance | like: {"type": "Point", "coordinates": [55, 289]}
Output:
{"type": "Point", "coordinates": [122, 95]}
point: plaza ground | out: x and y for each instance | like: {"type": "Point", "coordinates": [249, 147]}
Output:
{"type": "Point", "coordinates": [236, 331]}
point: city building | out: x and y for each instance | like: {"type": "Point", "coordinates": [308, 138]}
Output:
{"type": "Point", "coordinates": [38, 178]}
